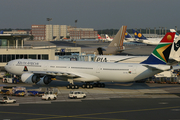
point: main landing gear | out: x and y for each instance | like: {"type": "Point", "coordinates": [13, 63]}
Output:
{"type": "Point", "coordinates": [100, 85]}
{"type": "Point", "coordinates": [85, 85]}
{"type": "Point", "coordinates": [71, 86]}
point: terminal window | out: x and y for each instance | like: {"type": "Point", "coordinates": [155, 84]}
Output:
{"type": "Point", "coordinates": [9, 57]}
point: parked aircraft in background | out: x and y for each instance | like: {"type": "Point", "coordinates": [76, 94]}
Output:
{"type": "Point", "coordinates": [128, 37]}
{"type": "Point", "coordinates": [114, 47]}
{"type": "Point", "coordinates": [41, 71]}
{"type": "Point", "coordinates": [108, 38]}
{"type": "Point", "coordinates": [100, 38]}
{"type": "Point", "coordinates": [140, 38]}
{"type": "Point", "coordinates": [174, 57]}
{"type": "Point", "coordinates": [173, 30]}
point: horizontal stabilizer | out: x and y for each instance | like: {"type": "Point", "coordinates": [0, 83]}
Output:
{"type": "Point", "coordinates": [158, 67]}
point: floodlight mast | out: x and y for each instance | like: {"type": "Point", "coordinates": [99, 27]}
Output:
{"type": "Point", "coordinates": [49, 19]}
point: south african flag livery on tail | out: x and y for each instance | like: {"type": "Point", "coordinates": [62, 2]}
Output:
{"type": "Point", "coordinates": [161, 53]}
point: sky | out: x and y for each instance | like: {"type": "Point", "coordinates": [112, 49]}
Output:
{"type": "Point", "coordinates": [97, 14]}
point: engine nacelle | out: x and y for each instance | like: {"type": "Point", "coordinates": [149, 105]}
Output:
{"type": "Point", "coordinates": [30, 78]}
{"type": "Point", "coordinates": [45, 80]}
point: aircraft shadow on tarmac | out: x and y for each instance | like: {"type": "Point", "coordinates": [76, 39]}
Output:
{"type": "Point", "coordinates": [113, 85]}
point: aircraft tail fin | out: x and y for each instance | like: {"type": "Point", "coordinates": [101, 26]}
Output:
{"type": "Point", "coordinates": [107, 37]}
{"type": "Point", "coordinates": [1, 32]}
{"type": "Point", "coordinates": [173, 30]}
{"type": "Point", "coordinates": [175, 52]}
{"type": "Point", "coordinates": [119, 38]}
{"type": "Point", "coordinates": [99, 37]}
{"type": "Point", "coordinates": [161, 53]}
{"type": "Point", "coordinates": [127, 35]}
{"type": "Point", "coordinates": [138, 35]}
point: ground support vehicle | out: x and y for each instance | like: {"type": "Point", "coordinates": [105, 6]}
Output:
{"type": "Point", "coordinates": [19, 93]}
{"type": "Point", "coordinates": [77, 94]}
{"type": "Point", "coordinates": [49, 96]}
{"type": "Point", "coordinates": [35, 93]}
{"type": "Point", "coordinates": [6, 100]}
{"type": "Point", "coordinates": [9, 79]}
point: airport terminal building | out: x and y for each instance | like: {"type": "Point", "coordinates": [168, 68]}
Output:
{"type": "Point", "coordinates": [13, 48]}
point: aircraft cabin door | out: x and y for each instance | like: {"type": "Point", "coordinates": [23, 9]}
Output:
{"type": "Point", "coordinates": [132, 69]}
{"type": "Point", "coordinates": [45, 68]}
{"type": "Point", "coordinates": [98, 69]}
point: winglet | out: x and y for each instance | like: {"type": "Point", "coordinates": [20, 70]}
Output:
{"type": "Point", "coordinates": [161, 53]}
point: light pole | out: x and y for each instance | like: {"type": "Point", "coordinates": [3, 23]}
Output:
{"type": "Point", "coordinates": [48, 19]}
{"type": "Point", "coordinates": [75, 23]}
{"type": "Point", "coordinates": [75, 28]}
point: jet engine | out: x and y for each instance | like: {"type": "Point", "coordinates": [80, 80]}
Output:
{"type": "Point", "coordinates": [35, 78]}
{"type": "Point", "coordinates": [30, 78]}
{"type": "Point", "coordinates": [45, 80]}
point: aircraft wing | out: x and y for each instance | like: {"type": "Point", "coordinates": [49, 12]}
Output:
{"type": "Point", "coordinates": [158, 67]}
{"type": "Point", "coordinates": [77, 76]}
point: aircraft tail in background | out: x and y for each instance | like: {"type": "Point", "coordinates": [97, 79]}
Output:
{"type": "Point", "coordinates": [173, 30]}
{"type": "Point", "coordinates": [108, 38]}
{"type": "Point", "coordinates": [127, 35]}
{"type": "Point", "coordinates": [100, 38]}
{"type": "Point", "coordinates": [138, 35]}
{"type": "Point", "coordinates": [119, 38]}
{"type": "Point", "coordinates": [161, 53]}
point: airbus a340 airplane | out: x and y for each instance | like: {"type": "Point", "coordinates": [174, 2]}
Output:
{"type": "Point", "coordinates": [114, 47]}
{"type": "Point", "coordinates": [41, 71]}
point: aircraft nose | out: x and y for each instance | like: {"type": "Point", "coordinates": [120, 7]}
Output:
{"type": "Point", "coordinates": [6, 67]}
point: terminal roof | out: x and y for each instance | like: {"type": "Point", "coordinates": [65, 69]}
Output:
{"type": "Point", "coordinates": [11, 36]}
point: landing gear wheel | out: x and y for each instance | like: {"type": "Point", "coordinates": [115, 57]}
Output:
{"type": "Point", "coordinates": [73, 86]}
{"type": "Point", "coordinates": [88, 85]}
{"type": "Point", "coordinates": [49, 98]}
{"type": "Point", "coordinates": [99, 84]}
{"type": "Point", "coordinates": [102, 85]}
{"type": "Point", "coordinates": [76, 86]}
{"type": "Point", "coordinates": [68, 86]}
{"type": "Point", "coordinates": [84, 86]}
{"type": "Point", "coordinates": [91, 86]}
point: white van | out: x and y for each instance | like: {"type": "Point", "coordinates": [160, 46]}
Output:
{"type": "Point", "coordinates": [77, 94]}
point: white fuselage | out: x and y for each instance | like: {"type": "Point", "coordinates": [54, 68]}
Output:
{"type": "Point", "coordinates": [150, 41]}
{"type": "Point", "coordinates": [120, 72]}
{"type": "Point", "coordinates": [120, 58]}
